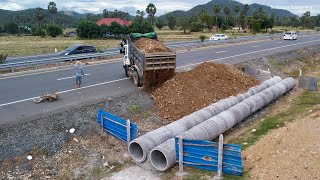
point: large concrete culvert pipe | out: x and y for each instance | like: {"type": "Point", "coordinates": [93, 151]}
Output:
{"type": "Point", "coordinates": [163, 156]}
{"type": "Point", "coordinates": [140, 147]}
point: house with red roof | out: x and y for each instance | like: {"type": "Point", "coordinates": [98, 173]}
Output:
{"type": "Point", "coordinates": [108, 21]}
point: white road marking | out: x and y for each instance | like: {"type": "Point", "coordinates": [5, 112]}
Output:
{"type": "Point", "coordinates": [220, 52]}
{"type": "Point", "coordinates": [255, 46]}
{"type": "Point", "coordinates": [253, 52]}
{"type": "Point", "coordinates": [71, 77]}
{"type": "Point", "coordinates": [70, 90]}
{"type": "Point", "coordinates": [108, 82]}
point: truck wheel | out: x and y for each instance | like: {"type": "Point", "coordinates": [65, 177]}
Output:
{"type": "Point", "coordinates": [136, 79]}
{"type": "Point", "coordinates": [126, 70]}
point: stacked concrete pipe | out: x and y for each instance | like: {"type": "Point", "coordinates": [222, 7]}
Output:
{"type": "Point", "coordinates": [140, 147]}
{"type": "Point", "coordinates": [163, 156]}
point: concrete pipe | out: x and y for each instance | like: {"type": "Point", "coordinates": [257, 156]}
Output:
{"type": "Point", "coordinates": [140, 147]}
{"type": "Point", "coordinates": [163, 156]}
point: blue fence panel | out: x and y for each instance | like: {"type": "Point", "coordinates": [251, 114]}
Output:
{"type": "Point", "coordinates": [116, 126]}
{"type": "Point", "coordinates": [204, 155]}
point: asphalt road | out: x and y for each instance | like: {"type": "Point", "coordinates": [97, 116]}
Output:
{"type": "Point", "coordinates": [107, 80]}
{"type": "Point", "coordinates": [115, 51]}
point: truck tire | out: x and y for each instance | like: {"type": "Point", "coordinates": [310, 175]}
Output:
{"type": "Point", "coordinates": [126, 70]}
{"type": "Point", "coordinates": [136, 79]}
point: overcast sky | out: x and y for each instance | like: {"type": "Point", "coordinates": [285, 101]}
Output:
{"type": "Point", "coordinates": [163, 6]}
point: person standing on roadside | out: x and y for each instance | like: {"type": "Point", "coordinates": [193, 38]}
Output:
{"type": "Point", "coordinates": [79, 73]}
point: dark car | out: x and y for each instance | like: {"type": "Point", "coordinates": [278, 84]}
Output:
{"type": "Point", "coordinates": [78, 49]}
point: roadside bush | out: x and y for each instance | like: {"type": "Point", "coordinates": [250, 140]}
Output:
{"type": "Point", "coordinates": [39, 32]}
{"type": "Point", "coordinates": [54, 30]}
{"type": "Point", "coordinates": [88, 29]}
{"type": "Point", "coordinates": [140, 26]}
{"type": "Point", "coordinates": [3, 58]}
{"type": "Point", "coordinates": [196, 27]}
{"type": "Point", "coordinates": [202, 38]}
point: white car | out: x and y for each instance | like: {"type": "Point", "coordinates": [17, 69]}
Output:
{"type": "Point", "coordinates": [290, 36]}
{"type": "Point", "coordinates": [218, 37]}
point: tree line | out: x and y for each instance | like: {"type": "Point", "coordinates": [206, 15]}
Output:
{"type": "Point", "coordinates": [222, 19]}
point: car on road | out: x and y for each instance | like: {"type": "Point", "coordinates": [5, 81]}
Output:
{"type": "Point", "coordinates": [290, 36]}
{"type": "Point", "coordinates": [78, 49]}
{"type": "Point", "coordinates": [218, 37]}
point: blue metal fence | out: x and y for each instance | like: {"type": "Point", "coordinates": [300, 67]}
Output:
{"type": "Point", "coordinates": [116, 126]}
{"type": "Point", "coordinates": [204, 155]}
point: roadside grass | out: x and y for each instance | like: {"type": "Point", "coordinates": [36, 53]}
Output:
{"type": "Point", "coordinates": [134, 108]}
{"type": "Point", "coordinates": [306, 101]}
{"type": "Point", "coordinates": [33, 45]}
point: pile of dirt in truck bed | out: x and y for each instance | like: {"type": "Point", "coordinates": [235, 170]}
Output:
{"type": "Point", "coordinates": [190, 91]}
{"type": "Point", "coordinates": [150, 45]}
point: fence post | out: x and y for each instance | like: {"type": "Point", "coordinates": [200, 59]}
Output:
{"type": "Point", "coordinates": [102, 120]}
{"type": "Point", "coordinates": [180, 155]}
{"type": "Point", "coordinates": [180, 172]}
{"type": "Point", "coordinates": [218, 176]}
{"type": "Point", "coordinates": [128, 132]}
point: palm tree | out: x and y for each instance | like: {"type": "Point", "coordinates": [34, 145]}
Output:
{"type": "Point", "coordinates": [39, 16]}
{"type": "Point", "coordinates": [151, 11]}
{"type": "Point", "coordinates": [226, 11]}
{"type": "Point", "coordinates": [52, 8]}
{"type": "Point", "coordinates": [216, 10]}
{"type": "Point", "coordinates": [236, 10]}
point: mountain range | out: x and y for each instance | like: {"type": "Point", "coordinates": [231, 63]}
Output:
{"type": "Point", "coordinates": [70, 18]}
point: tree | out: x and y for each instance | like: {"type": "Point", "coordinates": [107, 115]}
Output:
{"type": "Point", "coordinates": [88, 29]}
{"type": "Point", "coordinates": [318, 20]}
{"type": "Point", "coordinates": [115, 29]}
{"type": "Point", "coordinates": [140, 15]}
{"type": "Point", "coordinates": [160, 23]}
{"type": "Point", "coordinates": [39, 16]}
{"type": "Point", "coordinates": [52, 8]}
{"type": "Point", "coordinates": [216, 10]}
{"type": "Point", "coordinates": [140, 26]}
{"type": "Point", "coordinates": [151, 11]}
{"type": "Point", "coordinates": [306, 19]}
{"type": "Point", "coordinates": [105, 13]}
{"type": "Point", "coordinates": [11, 28]}
{"type": "Point", "coordinates": [226, 11]}
{"type": "Point", "coordinates": [206, 20]}
{"type": "Point", "coordinates": [172, 22]}
{"type": "Point", "coordinates": [184, 24]}
{"type": "Point", "coordinates": [243, 16]}
{"type": "Point", "coordinates": [54, 30]}
{"type": "Point", "coordinates": [236, 10]}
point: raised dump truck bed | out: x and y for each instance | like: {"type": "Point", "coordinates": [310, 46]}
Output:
{"type": "Point", "coordinates": [139, 62]}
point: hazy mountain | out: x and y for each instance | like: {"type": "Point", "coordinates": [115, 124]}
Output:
{"type": "Point", "coordinates": [228, 3]}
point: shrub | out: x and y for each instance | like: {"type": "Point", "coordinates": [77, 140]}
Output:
{"type": "Point", "coordinates": [39, 32]}
{"type": "Point", "coordinates": [3, 58]}
{"type": "Point", "coordinates": [54, 30]}
{"type": "Point", "coordinates": [202, 38]}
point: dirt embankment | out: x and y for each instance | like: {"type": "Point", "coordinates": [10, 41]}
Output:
{"type": "Point", "coordinates": [150, 45]}
{"type": "Point", "coordinates": [291, 152]}
{"type": "Point", "coordinates": [189, 91]}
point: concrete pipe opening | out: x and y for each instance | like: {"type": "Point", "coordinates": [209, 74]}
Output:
{"type": "Point", "coordinates": [159, 160]}
{"type": "Point", "coordinates": [136, 152]}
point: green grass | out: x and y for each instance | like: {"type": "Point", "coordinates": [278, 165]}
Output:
{"type": "Point", "coordinates": [146, 115]}
{"type": "Point", "coordinates": [134, 108]}
{"type": "Point", "coordinates": [306, 101]}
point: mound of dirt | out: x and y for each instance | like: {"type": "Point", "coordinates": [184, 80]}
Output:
{"type": "Point", "coordinates": [150, 45]}
{"type": "Point", "coordinates": [190, 91]}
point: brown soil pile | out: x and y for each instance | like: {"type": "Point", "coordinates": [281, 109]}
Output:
{"type": "Point", "coordinates": [150, 45]}
{"type": "Point", "coordinates": [154, 79]}
{"type": "Point", "coordinates": [190, 91]}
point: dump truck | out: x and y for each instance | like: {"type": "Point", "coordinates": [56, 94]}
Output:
{"type": "Point", "coordinates": [147, 60]}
